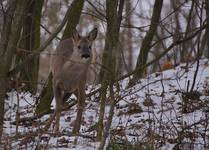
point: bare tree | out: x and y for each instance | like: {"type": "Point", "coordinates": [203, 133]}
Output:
{"type": "Point", "coordinates": [124, 57]}
{"type": "Point", "coordinates": [129, 35]}
{"type": "Point", "coordinates": [177, 30]}
{"type": "Point", "coordinates": [108, 72]}
{"type": "Point", "coordinates": [185, 45]}
{"type": "Point", "coordinates": [147, 41]}
{"type": "Point", "coordinates": [30, 41]}
{"type": "Point", "coordinates": [8, 44]}
{"type": "Point", "coordinates": [207, 28]}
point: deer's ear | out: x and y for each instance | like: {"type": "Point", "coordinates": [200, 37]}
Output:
{"type": "Point", "coordinates": [93, 34]}
{"type": "Point", "coordinates": [76, 35]}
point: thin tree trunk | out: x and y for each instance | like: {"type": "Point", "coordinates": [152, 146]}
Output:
{"type": "Point", "coordinates": [110, 117]}
{"type": "Point", "coordinates": [129, 35]}
{"type": "Point", "coordinates": [8, 53]}
{"type": "Point", "coordinates": [30, 42]}
{"type": "Point", "coordinates": [46, 98]}
{"type": "Point", "coordinates": [185, 45]}
{"type": "Point", "coordinates": [177, 49]}
{"type": "Point", "coordinates": [6, 29]}
{"type": "Point", "coordinates": [124, 60]}
{"type": "Point", "coordinates": [147, 41]}
{"type": "Point", "coordinates": [108, 73]}
{"type": "Point", "coordinates": [37, 41]}
{"type": "Point", "coordinates": [74, 18]}
{"type": "Point", "coordinates": [207, 28]}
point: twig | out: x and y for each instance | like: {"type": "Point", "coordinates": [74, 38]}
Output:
{"type": "Point", "coordinates": [49, 31]}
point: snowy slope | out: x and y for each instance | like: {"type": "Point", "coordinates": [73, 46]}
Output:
{"type": "Point", "coordinates": [160, 112]}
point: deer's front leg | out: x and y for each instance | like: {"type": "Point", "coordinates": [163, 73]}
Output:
{"type": "Point", "coordinates": [58, 98]}
{"type": "Point", "coordinates": [80, 106]}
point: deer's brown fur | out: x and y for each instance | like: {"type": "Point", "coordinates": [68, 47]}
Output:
{"type": "Point", "coordinates": [69, 66]}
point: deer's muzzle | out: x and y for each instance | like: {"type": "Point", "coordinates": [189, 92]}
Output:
{"type": "Point", "coordinates": [85, 56]}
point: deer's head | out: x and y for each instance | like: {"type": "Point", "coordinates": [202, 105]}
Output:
{"type": "Point", "coordinates": [82, 51]}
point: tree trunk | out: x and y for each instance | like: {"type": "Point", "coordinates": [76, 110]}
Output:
{"type": "Point", "coordinates": [74, 14]}
{"type": "Point", "coordinates": [186, 45]}
{"type": "Point", "coordinates": [74, 17]}
{"type": "Point", "coordinates": [108, 73]}
{"type": "Point", "coordinates": [110, 117]}
{"type": "Point", "coordinates": [207, 28]}
{"type": "Point", "coordinates": [6, 29]}
{"type": "Point", "coordinates": [129, 36]}
{"type": "Point", "coordinates": [124, 58]}
{"type": "Point", "coordinates": [147, 41]}
{"type": "Point", "coordinates": [177, 49]}
{"type": "Point", "coordinates": [46, 98]}
{"type": "Point", "coordinates": [30, 41]}
{"type": "Point", "coordinates": [8, 52]}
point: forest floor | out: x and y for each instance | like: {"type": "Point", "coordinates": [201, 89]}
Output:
{"type": "Point", "coordinates": [166, 110]}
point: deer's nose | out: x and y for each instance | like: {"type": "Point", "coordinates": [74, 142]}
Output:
{"type": "Point", "coordinates": [85, 56]}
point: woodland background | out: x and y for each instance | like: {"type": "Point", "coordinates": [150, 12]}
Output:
{"type": "Point", "coordinates": [136, 38]}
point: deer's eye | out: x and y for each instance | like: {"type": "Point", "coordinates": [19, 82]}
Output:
{"type": "Point", "coordinates": [90, 47]}
{"type": "Point", "coordinates": [79, 47]}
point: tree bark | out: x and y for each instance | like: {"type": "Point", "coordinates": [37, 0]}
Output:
{"type": "Point", "coordinates": [124, 61]}
{"type": "Point", "coordinates": [177, 49]}
{"type": "Point", "coordinates": [129, 35]}
{"type": "Point", "coordinates": [30, 41]}
{"type": "Point", "coordinates": [108, 73]}
{"type": "Point", "coordinates": [186, 45]}
{"type": "Point", "coordinates": [46, 98]}
{"type": "Point", "coordinates": [110, 117]}
{"type": "Point", "coordinates": [76, 8]}
{"type": "Point", "coordinates": [9, 50]}
{"type": "Point", "coordinates": [207, 27]}
{"type": "Point", "coordinates": [147, 41]}
{"type": "Point", "coordinates": [6, 29]}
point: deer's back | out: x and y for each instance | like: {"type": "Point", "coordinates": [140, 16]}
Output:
{"type": "Point", "coordinates": [61, 55]}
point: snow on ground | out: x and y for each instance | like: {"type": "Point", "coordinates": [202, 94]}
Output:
{"type": "Point", "coordinates": [160, 112]}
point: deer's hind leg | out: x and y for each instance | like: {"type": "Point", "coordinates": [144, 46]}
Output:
{"type": "Point", "coordinates": [58, 94]}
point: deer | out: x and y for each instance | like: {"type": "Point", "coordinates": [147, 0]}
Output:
{"type": "Point", "coordinates": [69, 66]}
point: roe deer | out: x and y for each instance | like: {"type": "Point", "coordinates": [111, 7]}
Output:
{"type": "Point", "coordinates": [69, 66]}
